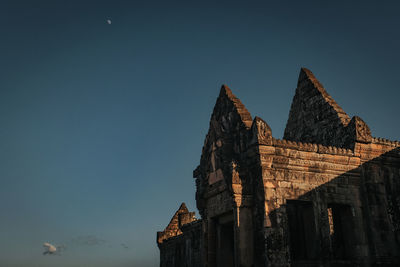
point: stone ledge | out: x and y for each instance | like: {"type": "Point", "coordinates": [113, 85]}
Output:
{"type": "Point", "coordinates": [310, 147]}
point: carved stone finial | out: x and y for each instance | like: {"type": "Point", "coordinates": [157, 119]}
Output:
{"type": "Point", "coordinates": [261, 132]}
{"type": "Point", "coordinates": [360, 130]}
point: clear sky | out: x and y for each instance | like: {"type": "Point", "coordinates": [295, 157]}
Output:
{"type": "Point", "coordinates": [101, 125]}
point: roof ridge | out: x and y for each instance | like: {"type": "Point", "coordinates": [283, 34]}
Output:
{"type": "Point", "coordinates": [244, 114]}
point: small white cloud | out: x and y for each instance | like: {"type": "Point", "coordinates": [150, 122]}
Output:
{"type": "Point", "coordinates": [53, 250]}
{"type": "Point", "coordinates": [109, 21]}
{"type": "Point", "coordinates": [50, 249]}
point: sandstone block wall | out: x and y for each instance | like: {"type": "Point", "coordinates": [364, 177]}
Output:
{"type": "Point", "coordinates": [181, 241]}
{"type": "Point", "coordinates": [328, 194]}
{"type": "Point", "coordinates": [184, 249]}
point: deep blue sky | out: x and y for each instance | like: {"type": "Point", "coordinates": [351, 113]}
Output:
{"type": "Point", "coordinates": [102, 125]}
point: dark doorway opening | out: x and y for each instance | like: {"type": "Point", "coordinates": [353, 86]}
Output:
{"type": "Point", "coordinates": [225, 244]}
{"type": "Point", "coordinates": [178, 256]}
{"type": "Point", "coordinates": [302, 230]}
{"type": "Point", "coordinates": [341, 230]}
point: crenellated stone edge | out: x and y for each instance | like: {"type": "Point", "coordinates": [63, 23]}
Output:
{"type": "Point", "coordinates": [261, 134]}
{"type": "Point", "coordinates": [384, 141]}
{"type": "Point", "coordinates": [310, 147]}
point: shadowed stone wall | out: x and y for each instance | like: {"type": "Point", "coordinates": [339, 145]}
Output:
{"type": "Point", "coordinates": [328, 194]}
{"type": "Point", "coordinates": [181, 241]}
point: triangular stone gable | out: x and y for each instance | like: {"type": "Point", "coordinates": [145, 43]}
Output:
{"type": "Point", "coordinates": [314, 116]}
{"type": "Point", "coordinates": [227, 134]}
{"type": "Point", "coordinates": [173, 228]}
{"type": "Point", "coordinates": [225, 142]}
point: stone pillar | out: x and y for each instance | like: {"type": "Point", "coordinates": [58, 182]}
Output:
{"type": "Point", "coordinates": [244, 234]}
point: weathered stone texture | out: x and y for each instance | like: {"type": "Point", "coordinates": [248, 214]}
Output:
{"type": "Point", "coordinates": [182, 216]}
{"type": "Point", "coordinates": [180, 242]}
{"type": "Point", "coordinates": [325, 195]}
{"type": "Point", "coordinates": [183, 249]}
{"type": "Point", "coordinates": [316, 118]}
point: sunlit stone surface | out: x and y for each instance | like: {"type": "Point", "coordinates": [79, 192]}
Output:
{"type": "Point", "coordinates": [328, 194]}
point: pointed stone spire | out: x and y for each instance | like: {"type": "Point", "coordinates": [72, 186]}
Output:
{"type": "Point", "coordinates": [182, 208]}
{"type": "Point", "coordinates": [306, 78]}
{"type": "Point", "coordinates": [225, 90]}
{"type": "Point", "coordinates": [240, 108]}
{"type": "Point", "coordinates": [314, 116]}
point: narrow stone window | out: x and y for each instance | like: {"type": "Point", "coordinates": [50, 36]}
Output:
{"type": "Point", "coordinates": [341, 230]}
{"type": "Point", "coordinates": [302, 230]}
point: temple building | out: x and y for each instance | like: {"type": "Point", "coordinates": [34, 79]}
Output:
{"type": "Point", "coordinates": [327, 194]}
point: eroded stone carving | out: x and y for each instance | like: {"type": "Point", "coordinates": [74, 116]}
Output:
{"type": "Point", "coordinates": [261, 132]}
{"type": "Point", "coordinates": [362, 131]}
